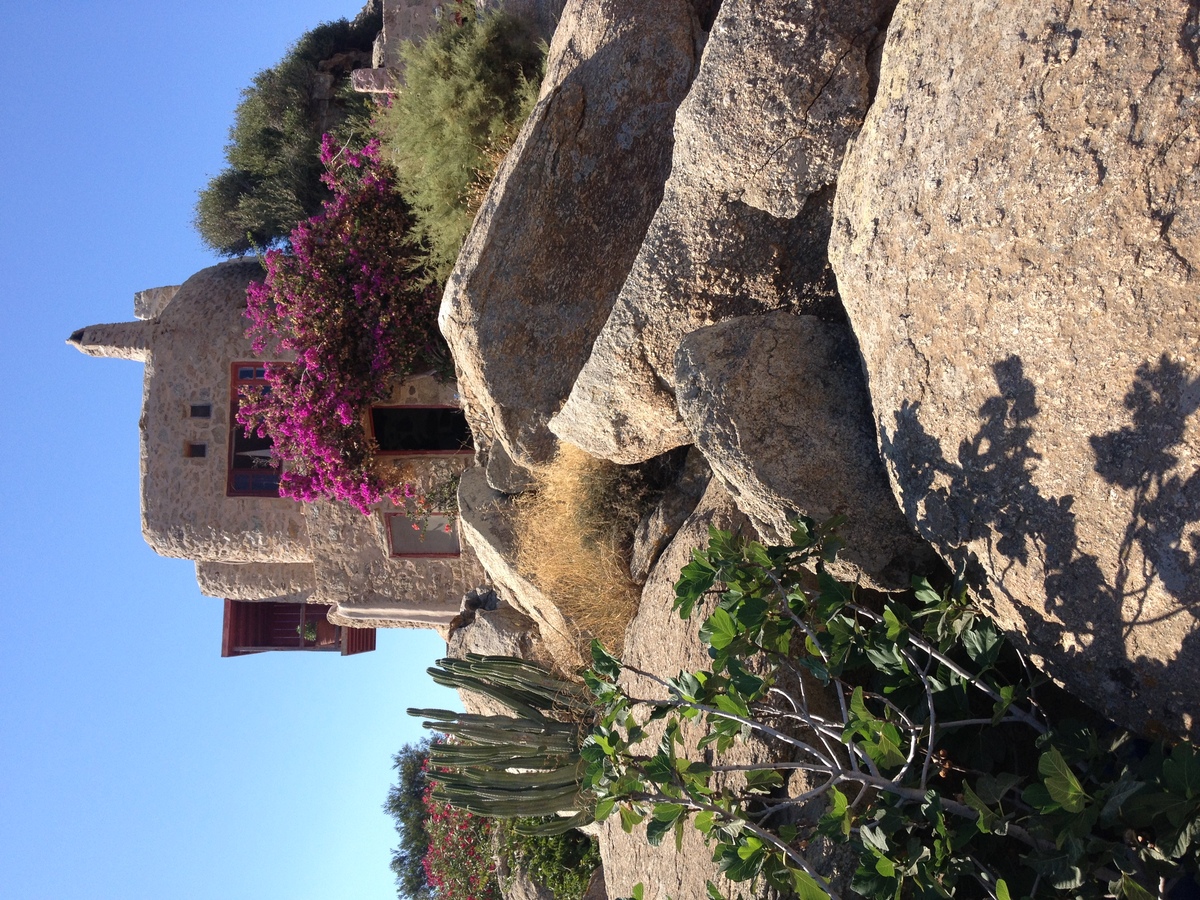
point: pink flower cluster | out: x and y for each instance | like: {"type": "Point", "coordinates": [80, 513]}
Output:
{"type": "Point", "coordinates": [345, 304]}
{"type": "Point", "coordinates": [458, 864]}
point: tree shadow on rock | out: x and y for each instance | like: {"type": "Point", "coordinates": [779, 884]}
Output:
{"type": "Point", "coordinates": [987, 497]}
{"type": "Point", "coordinates": [1139, 458]}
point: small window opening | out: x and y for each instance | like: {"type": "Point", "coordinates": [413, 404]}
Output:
{"type": "Point", "coordinates": [195, 451]}
{"type": "Point", "coordinates": [436, 535]}
{"type": "Point", "coordinates": [201, 411]}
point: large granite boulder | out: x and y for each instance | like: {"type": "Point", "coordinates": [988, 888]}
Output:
{"type": "Point", "coordinates": [745, 218]}
{"type": "Point", "coordinates": [563, 220]}
{"type": "Point", "coordinates": [501, 631]}
{"type": "Point", "coordinates": [780, 409]}
{"type": "Point", "coordinates": [1017, 243]}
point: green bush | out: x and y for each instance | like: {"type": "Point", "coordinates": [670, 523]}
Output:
{"type": "Point", "coordinates": [944, 759]}
{"type": "Point", "coordinates": [468, 87]}
{"type": "Point", "coordinates": [941, 756]}
{"type": "Point", "coordinates": [564, 863]}
{"type": "Point", "coordinates": [273, 177]}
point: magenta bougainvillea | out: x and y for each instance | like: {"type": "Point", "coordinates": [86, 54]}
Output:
{"type": "Point", "coordinates": [458, 864]}
{"type": "Point", "coordinates": [346, 304]}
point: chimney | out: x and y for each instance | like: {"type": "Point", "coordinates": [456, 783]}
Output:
{"type": "Point", "coordinates": [124, 340]}
{"type": "Point", "coordinates": [148, 304]}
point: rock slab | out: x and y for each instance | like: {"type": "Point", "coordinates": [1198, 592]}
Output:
{"type": "Point", "coordinates": [485, 517]}
{"type": "Point", "coordinates": [744, 223]}
{"type": "Point", "coordinates": [659, 525]}
{"type": "Point", "coordinates": [1016, 242]}
{"type": "Point", "coordinates": [780, 410]}
{"type": "Point", "coordinates": [564, 217]}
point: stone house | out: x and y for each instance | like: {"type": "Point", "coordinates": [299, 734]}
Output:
{"type": "Point", "coordinates": [411, 20]}
{"type": "Point", "coordinates": [209, 492]}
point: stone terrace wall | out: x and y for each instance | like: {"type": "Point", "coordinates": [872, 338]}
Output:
{"type": "Point", "coordinates": [356, 573]}
{"type": "Point", "coordinates": [256, 581]}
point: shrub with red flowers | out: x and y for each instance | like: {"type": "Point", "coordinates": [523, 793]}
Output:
{"type": "Point", "coordinates": [459, 864]}
{"type": "Point", "coordinates": [347, 305]}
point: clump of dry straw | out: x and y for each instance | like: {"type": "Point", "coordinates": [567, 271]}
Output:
{"type": "Point", "coordinates": [573, 536]}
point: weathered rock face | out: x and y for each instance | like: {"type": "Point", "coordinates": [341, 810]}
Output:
{"type": "Point", "coordinates": [501, 631]}
{"type": "Point", "coordinates": [485, 516]}
{"type": "Point", "coordinates": [505, 475]}
{"type": "Point", "coordinates": [597, 888]}
{"type": "Point", "coordinates": [659, 525]}
{"type": "Point", "coordinates": [1016, 242]}
{"type": "Point", "coordinates": [518, 884]}
{"type": "Point", "coordinates": [565, 216]}
{"type": "Point", "coordinates": [745, 218]}
{"type": "Point", "coordinates": [780, 409]}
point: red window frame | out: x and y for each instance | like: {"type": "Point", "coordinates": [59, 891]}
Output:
{"type": "Point", "coordinates": [234, 474]}
{"type": "Point", "coordinates": [371, 428]}
{"type": "Point", "coordinates": [387, 527]}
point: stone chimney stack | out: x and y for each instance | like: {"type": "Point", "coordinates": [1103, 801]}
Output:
{"type": "Point", "coordinates": [124, 340]}
{"type": "Point", "coordinates": [150, 303]}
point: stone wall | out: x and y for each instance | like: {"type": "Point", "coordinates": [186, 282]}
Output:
{"type": "Point", "coordinates": [409, 20]}
{"type": "Point", "coordinates": [121, 340]}
{"type": "Point", "coordinates": [403, 20]}
{"type": "Point", "coordinates": [150, 303]}
{"type": "Point", "coordinates": [185, 512]}
{"type": "Point", "coordinates": [540, 15]}
{"type": "Point", "coordinates": [256, 581]}
{"type": "Point", "coordinates": [354, 567]}
{"type": "Point", "coordinates": [356, 573]}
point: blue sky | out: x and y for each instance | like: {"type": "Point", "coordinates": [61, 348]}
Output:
{"type": "Point", "coordinates": [137, 762]}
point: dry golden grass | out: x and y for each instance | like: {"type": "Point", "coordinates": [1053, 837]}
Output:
{"type": "Point", "coordinates": [573, 534]}
{"type": "Point", "coordinates": [493, 157]}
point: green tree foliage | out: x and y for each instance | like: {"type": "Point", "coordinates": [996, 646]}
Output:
{"type": "Point", "coordinates": [468, 87]}
{"type": "Point", "coordinates": [949, 764]}
{"type": "Point", "coordinates": [941, 755]}
{"type": "Point", "coordinates": [273, 177]}
{"type": "Point", "coordinates": [406, 805]}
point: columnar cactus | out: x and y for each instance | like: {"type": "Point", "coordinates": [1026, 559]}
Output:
{"type": "Point", "coordinates": [525, 765]}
